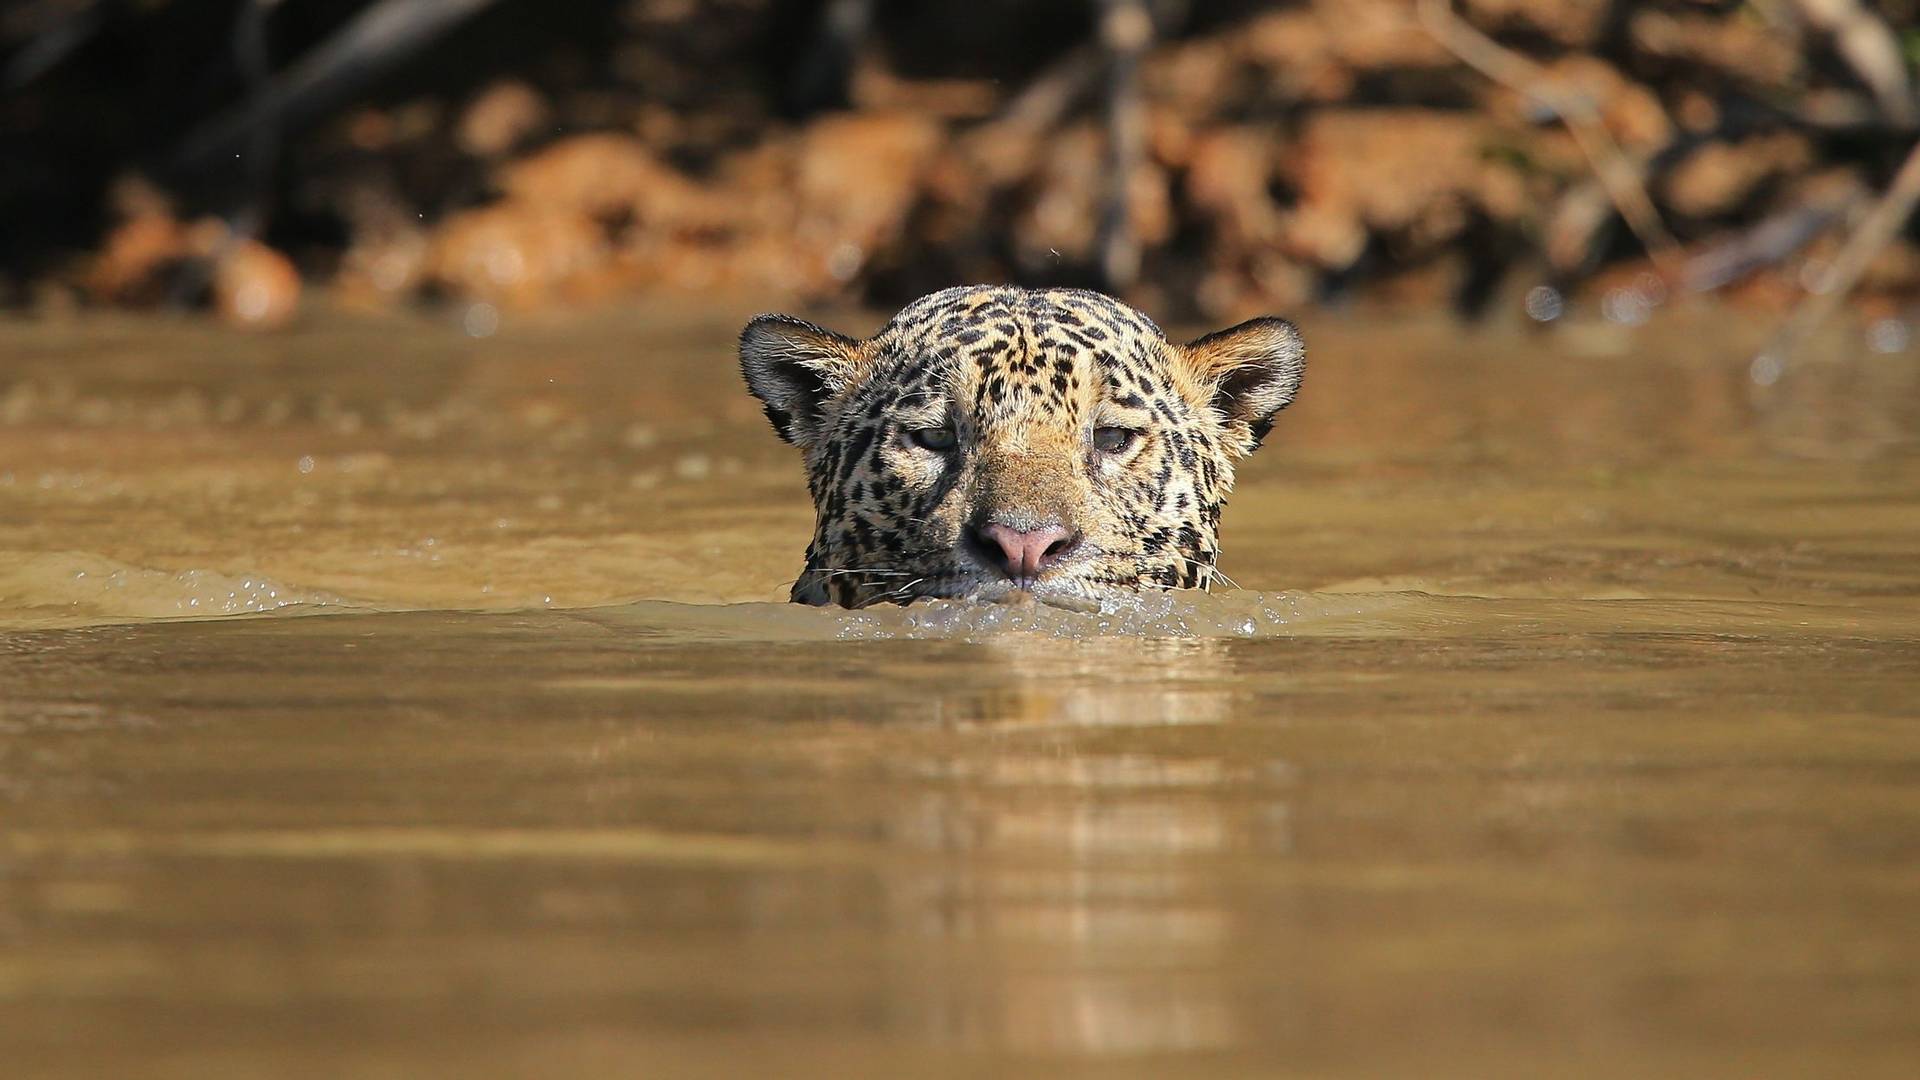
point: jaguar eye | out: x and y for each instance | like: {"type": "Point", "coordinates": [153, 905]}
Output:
{"type": "Point", "coordinates": [1113, 440]}
{"type": "Point", "coordinates": [938, 439]}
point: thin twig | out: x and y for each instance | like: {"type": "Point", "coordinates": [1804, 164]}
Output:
{"type": "Point", "coordinates": [1879, 227]}
{"type": "Point", "coordinates": [1623, 178]}
{"type": "Point", "coordinates": [1050, 95]}
{"type": "Point", "coordinates": [1771, 241]}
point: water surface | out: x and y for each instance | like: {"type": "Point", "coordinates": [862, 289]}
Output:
{"type": "Point", "coordinates": [375, 701]}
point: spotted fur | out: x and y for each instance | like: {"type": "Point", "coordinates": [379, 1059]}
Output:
{"type": "Point", "coordinates": [1020, 380]}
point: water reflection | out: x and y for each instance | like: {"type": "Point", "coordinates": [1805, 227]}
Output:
{"type": "Point", "coordinates": [1061, 899]}
{"type": "Point", "coordinates": [1101, 682]}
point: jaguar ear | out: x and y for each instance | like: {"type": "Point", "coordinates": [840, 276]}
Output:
{"type": "Point", "coordinates": [1254, 369]}
{"type": "Point", "coordinates": [795, 368]}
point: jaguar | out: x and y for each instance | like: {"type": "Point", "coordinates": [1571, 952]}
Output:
{"type": "Point", "coordinates": [995, 442]}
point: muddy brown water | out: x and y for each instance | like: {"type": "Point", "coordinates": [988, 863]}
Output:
{"type": "Point", "coordinates": [376, 701]}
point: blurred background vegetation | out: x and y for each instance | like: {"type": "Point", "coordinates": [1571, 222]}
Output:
{"type": "Point", "coordinates": [1206, 159]}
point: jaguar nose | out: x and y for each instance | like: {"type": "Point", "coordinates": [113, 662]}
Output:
{"type": "Point", "coordinates": [1022, 554]}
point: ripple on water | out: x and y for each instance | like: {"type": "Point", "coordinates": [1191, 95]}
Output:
{"type": "Point", "coordinates": [1404, 613]}
{"type": "Point", "coordinates": [1153, 615]}
{"type": "Point", "coordinates": [57, 587]}
{"type": "Point", "coordinates": [1179, 615]}
{"type": "Point", "coordinates": [76, 588]}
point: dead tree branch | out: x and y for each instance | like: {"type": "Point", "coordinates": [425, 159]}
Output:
{"type": "Point", "coordinates": [1870, 49]}
{"type": "Point", "coordinates": [1623, 178]}
{"type": "Point", "coordinates": [373, 41]}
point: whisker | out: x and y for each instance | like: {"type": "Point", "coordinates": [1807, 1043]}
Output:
{"type": "Point", "coordinates": [902, 590]}
{"type": "Point", "coordinates": [1216, 572]}
{"type": "Point", "coordinates": [836, 571]}
{"type": "Point", "coordinates": [1212, 570]}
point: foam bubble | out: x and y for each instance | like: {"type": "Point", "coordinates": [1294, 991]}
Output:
{"type": "Point", "coordinates": [1154, 614]}
{"type": "Point", "coordinates": [61, 587]}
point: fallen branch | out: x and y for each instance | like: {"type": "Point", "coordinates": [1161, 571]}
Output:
{"type": "Point", "coordinates": [1770, 242]}
{"type": "Point", "coordinates": [1623, 178]}
{"type": "Point", "coordinates": [1870, 49]}
{"type": "Point", "coordinates": [375, 40]}
{"type": "Point", "coordinates": [1049, 96]}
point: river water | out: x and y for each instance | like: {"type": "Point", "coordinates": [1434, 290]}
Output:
{"type": "Point", "coordinates": [380, 701]}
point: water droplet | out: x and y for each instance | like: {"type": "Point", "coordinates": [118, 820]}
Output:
{"type": "Point", "coordinates": [1545, 304]}
{"type": "Point", "coordinates": [844, 261]}
{"type": "Point", "coordinates": [253, 301]}
{"type": "Point", "coordinates": [1889, 336]}
{"type": "Point", "coordinates": [505, 265]}
{"type": "Point", "coordinates": [1625, 307]}
{"type": "Point", "coordinates": [1651, 287]}
{"type": "Point", "coordinates": [481, 320]}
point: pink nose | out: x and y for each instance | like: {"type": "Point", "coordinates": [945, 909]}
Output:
{"type": "Point", "coordinates": [1023, 554]}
